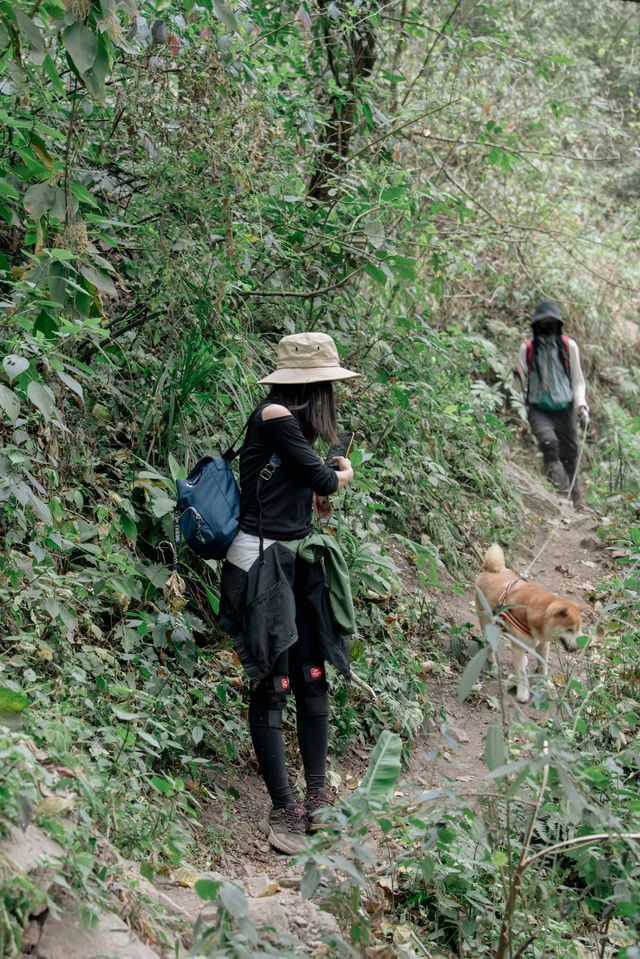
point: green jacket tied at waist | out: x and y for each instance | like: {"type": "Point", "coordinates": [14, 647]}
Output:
{"type": "Point", "coordinates": [320, 547]}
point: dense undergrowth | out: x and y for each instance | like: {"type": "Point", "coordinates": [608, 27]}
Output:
{"type": "Point", "coordinates": [179, 186]}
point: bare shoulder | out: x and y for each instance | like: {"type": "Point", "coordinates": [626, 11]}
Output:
{"type": "Point", "coordinates": [274, 411]}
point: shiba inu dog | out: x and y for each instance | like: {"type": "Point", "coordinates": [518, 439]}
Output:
{"type": "Point", "coordinates": [532, 617]}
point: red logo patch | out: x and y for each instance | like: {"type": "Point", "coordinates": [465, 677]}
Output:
{"type": "Point", "coordinates": [284, 682]}
{"type": "Point", "coordinates": [316, 672]}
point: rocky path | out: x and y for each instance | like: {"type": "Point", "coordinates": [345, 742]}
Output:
{"type": "Point", "coordinates": [572, 563]}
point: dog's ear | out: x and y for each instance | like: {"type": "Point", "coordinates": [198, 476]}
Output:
{"type": "Point", "coordinates": [559, 609]}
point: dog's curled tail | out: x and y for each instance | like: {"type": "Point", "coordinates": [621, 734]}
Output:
{"type": "Point", "coordinates": [494, 559]}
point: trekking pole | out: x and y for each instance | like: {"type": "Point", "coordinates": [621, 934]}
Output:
{"type": "Point", "coordinates": [554, 529]}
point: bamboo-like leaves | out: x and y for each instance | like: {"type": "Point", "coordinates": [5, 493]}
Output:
{"type": "Point", "coordinates": [384, 768]}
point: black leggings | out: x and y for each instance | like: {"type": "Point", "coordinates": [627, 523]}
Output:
{"type": "Point", "coordinates": [301, 670]}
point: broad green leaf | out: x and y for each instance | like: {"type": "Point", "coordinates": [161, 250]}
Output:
{"type": "Point", "coordinates": [375, 233]}
{"type": "Point", "coordinates": [128, 527]}
{"type": "Point", "coordinates": [8, 190]}
{"type": "Point", "coordinates": [14, 365]}
{"type": "Point", "coordinates": [495, 752]}
{"type": "Point", "coordinates": [99, 279]}
{"type": "Point", "coordinates": [384, 768]}
{"type": "Point", "coordinates": [81, 44]}
{"type": "Point", "coordinates": [9, 402]}
{"type": "Point", "coordinates": [39, 199]}
{"type": "Point", "coordinates": [124, 714]}
{"type": "Point", "coordinates": [197, 734]}
{"type": "Point", "coordinates": [148, 738]}
{"type": "Point", "coordinates": [162, 785]}
{"type": "Point", "coordinates": [207, 889]}
{"type": "Point", "coordinates": [234, 901]}
{"type": "Point", "coordinates": [378, 275]}
{"type": "Point", "coordinates": [162, 505]}
{"type": "Point", "coordinates": [471, 674]}
{"type": "Point", "coordinates": [95, 78]}
{"type": "Point", "coordinates": [81, 193]}
{"type": "Point", "coordinates": [406, 266]}
{"type": "Point", "coordinates": [42, 398]}
{"type": "Point", "coordinates": [54, 76]}
{"type": "Point", "coordinates": [177, 471]}
{"type": "Point", "coordinates": [32, 33]}
{"type": "Point", "coordinates": [41, 509]}
{"type": "Point", "coordinates": [12, 701]}
{"type": "Point", "coordinates": [59, 205]}
{"type": "Point", "coordinates": [71, 383]}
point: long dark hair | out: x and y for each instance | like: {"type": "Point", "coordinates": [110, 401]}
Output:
{"type": "Point", "coordinates": [560, 346]}
{"type": "Point", "coordinates": [312, 404]}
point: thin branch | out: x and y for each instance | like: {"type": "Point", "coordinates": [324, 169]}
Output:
{"type": "Point", "coordinates": [407, 123]}
{"type": "Point", "coordinates": [579, 841]}
{"type": "Point", "coordinates": [429, 52]}
{"type": "Point", "coordinates": [303, 294]}
{"type": "Point", "coordinates": [539, 153]}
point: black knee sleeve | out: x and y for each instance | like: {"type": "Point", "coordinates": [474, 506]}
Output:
{"type": "Point", "coordinates": [314, 705]}
{"type": "Point", "coordinates": [267, 702]}
{"type": "Point", "coordinates": [312, 694]}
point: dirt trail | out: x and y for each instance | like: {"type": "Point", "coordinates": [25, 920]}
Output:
{"type": "Point", "coordinates": [572, 563]}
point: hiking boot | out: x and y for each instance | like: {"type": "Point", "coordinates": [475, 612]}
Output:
{"type": "Point", "coordinates": [317, 803]}
{"type": "Point", "coordinates": [285, 828]}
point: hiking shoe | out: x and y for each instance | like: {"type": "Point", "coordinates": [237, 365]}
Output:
{"type": "Point", "coordinates": [285, 828]}
{"type": "Point", "coordinates": [317, 803]}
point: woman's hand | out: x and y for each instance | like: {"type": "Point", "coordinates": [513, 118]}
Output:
{"type": "Point", "coordinates": [345, 470]}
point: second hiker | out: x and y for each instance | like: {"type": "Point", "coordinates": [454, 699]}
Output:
{"type": "Point", "coordinates": [554, 390]}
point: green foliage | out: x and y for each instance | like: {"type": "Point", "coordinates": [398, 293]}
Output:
{"type": "Point", "coordinates": [180, 184]}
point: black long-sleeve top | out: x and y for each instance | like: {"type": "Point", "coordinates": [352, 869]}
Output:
{"type": "Point", "coordinates": [286, 498]}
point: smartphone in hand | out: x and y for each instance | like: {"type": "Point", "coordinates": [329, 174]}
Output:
{"type": "Point", "coordinates": [341, 448]}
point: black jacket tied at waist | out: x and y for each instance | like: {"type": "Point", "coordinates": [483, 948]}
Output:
{"type": "Point", "coordinates": [258, 610]}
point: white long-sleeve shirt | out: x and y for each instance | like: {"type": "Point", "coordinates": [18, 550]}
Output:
{"type": "Point", "coordinates": [578, 383]}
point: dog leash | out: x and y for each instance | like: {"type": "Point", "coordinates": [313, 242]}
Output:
{"type": "Point", "coordinates": [554, 529]}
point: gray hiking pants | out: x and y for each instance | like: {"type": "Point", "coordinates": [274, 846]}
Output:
{"type": "Point", "coordinates": [557, 436]}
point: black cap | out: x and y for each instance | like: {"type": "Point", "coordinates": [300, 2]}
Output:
{"type": "Point", "coordinates": [547, 308]}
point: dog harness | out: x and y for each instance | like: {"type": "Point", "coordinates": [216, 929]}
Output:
{"type": "Point", "coordinates": [509, 613]}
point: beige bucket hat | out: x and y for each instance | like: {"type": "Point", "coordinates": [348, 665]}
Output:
{"type": "Point", "coordinates": [307, 358]}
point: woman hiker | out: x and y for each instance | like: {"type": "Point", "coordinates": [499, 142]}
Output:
{"type": "Point", "coordinates": [285, 591]}
{"type": "Point", "coordinates": [554, 390]}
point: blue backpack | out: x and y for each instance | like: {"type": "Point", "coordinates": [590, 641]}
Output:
{"type": "Point", "coordinates": [208, 508]}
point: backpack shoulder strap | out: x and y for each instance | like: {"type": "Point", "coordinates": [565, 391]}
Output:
{"type": "Point", "coordinates": [565, 353]}
{"type": "Point", "coordinates": [230, 454]}
{"type": "Point", "coordinates": [529, 349]}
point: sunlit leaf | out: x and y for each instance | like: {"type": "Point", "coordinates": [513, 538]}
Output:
{"type": "Point", "coordinates": [42, 398]}
{"type": "Point", "coordinates": [12, 701]}
{"type": "Point", "coordinates": [471, 674]}
{"type": "Point", "coordinates": [14, 365]}
{"type": "Point", "coordinates": [9, 403]}
{"type": "Point", "coordinates": [81, 44]}
{"type": "Point", "coordinates": [384, 768]}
